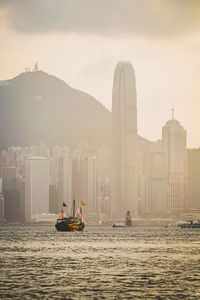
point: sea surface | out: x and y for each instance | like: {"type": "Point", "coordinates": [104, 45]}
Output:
{"type": "Point", "coordinates": [99, 263]}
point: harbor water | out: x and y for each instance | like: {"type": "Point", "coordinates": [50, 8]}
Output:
{"type": "Point", "coordinates": [99, 263]}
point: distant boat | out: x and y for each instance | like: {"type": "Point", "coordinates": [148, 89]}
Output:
{"type": "Point", "coordinates": [118, 224]}
{"type": "Point", "coordinates": [72, 223]}
{"type": "Point", "coordinates": [190, 224]}
{"type": "Point", "coordinates": [128, 221]}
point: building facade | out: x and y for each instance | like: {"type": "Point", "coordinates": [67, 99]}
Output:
{"type": "Point", "coordinates": [193, 186]}
{"type": "Point", "coordinates": [157, 180]}
{"type": "Point", "coordinates": [36, 186]}
{"type": "Point", "coordinates": [174, 143]}
{"type": "Point", "coordinates": [124, 142]}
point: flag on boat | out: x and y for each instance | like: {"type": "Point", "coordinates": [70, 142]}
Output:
{"type": "Point", "coordinates": [83, 203]}
{"type": "Point", "coordinates": [64, 205]}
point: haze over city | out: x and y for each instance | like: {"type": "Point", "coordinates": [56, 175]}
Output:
{"type": "Point", "coordinates": [99, 149]}
{"type": "Point", "coordinates": [82, 42]}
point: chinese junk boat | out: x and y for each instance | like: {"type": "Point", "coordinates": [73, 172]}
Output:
{"type": "Point", "coordinates": [72, 223]}
{"type": "Point", "coordinates": [128, 222]}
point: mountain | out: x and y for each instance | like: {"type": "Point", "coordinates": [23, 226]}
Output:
{"type": "Point", "coordinates": [36, 106]}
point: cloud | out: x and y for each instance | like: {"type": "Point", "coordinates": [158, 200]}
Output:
{"type": "Point", "coordinates": [152, 18]}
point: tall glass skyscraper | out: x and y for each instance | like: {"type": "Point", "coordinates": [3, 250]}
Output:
{"type": "Point", "coordinates": [124, 142]}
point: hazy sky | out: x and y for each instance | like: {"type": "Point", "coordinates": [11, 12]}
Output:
{"type": "Point", "coordinates": [80, 41]}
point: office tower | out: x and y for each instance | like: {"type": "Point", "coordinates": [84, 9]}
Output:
{"type": "Point", "coordinates": [157, 180]}
{"type": "Point", "coordinates": [193, 190]}
{"type": "Point", "coordinates": [91, 184]}
{"type": "Point", "coordinates": [10, 195]}
{"type": "Point", "coordinates": [103, 180]}
{"type": "Point", "coordinates": [1, 203]}
{"type": "Point", "coordinates": [65, 181]}
{"type": "Point", "coordinates": [4, 160]}
{"type": "Point", "coordinates": [36, 186]}
{"type": "Point", "coordinates": [174, 142]}
{"type": "Point", "coordinates": [84, 181]}
{"type": "Point", "coordinates": [124, 142]}
{"type": "Point", "coordinates": [8, 175]}
{"type": "Point", "coordinates": [53, 199]}
{"type": "Point", "coordinates": [1, 208]}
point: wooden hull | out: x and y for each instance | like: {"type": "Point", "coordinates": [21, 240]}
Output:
{"type": "Point", "coordinates": [69, 225]}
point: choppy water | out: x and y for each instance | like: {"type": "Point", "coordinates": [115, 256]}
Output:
{"type": "Point", "coordinates": [99, 263]}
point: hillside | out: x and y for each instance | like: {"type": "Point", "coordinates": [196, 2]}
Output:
{"type": "Point", "coordinates": [36, 106]}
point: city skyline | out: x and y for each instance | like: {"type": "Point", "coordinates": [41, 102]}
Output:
{"type": "Point", "coordinates": [164, 52]}
{"type": "Point", "coordinates": [141, 176]}
{"type": "Point", "coordinates": [99, 149]}
{"type": "Point", "coordinates": [172, 113]}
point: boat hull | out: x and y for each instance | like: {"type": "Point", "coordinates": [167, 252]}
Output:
{"type": "Point", "coordinates": [66, 225]}
{"type": "Point", "coordinates": [117, 226]}
{"type": "Point", "coordinates": [189, 225]}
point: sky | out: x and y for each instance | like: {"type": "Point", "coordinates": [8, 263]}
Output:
{"type": "Point", "coordinates": [81, 41]}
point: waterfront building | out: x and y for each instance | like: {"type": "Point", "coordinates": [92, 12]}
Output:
{"type": "Point", "coordinates": [65, 181]}
{"type": "Point", "coordinates": [36, 186]}
{"type": "Point", "coordinates": [1, 208]}
{"type": "Point", "coordinates": [1, 203]}
{"type": "Point", "coordinates": [124, 142]}
{"type": "Point", "coordinates": [193, 187]}
{"type": "Point", "coordinates": [91, 184]}
{"type": "Point", "coordinates": [174, 143]}
{"type": "Point", "coordinates": [157, 180]}
{"type": "Point", "coordinates": [8, 175]}
{"type": "Point", "coordinates": [4, 160]}
{"type": "Point", "coordinates": [84, 181]}
{"type": "Point", "coordinates": [53, 199]}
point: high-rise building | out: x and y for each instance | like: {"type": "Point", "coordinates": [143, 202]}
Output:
{"type": "Point", "coordinates": [4, 160]}
{"type": "Point", "coordinates": [8, 175]}
{"type": "Point", "coordinates": [91, 184]}
{"type": "Point", "coordinates": [193, 190]}
{"type": "Point", "coordinates": [125, 142]}
{"type": "Point", "coordinates": [65, 181]}
{"type": "Point", "coordinates": [84, 181]}
{"type": "Point", "coordinates": [1, 186]}
{"type": "Point", "coordinates": [157, 180]}
{"type": "Point", "coordinates": [13, 194]}
{"type": "Point", "coordinates": [36, 186]}
{"type": "Point", "coordinates": [174, 142]}
{"type": "Point", "coordinates": [1, 203]}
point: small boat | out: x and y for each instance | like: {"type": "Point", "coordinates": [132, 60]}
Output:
{"type": "Point", "coordinates": [190, 224]}
{"type": "Point", "coordinates": [128, 221]}
{"type": "Point", "coordinates": [118, 224]}
{"type": "Point", "coordinates": [72, 223]}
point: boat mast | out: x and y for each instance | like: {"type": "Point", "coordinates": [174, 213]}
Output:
{"type": "Point", "coordinates": [81, 210]}
{"type": "Point", "coordinates": [74, 208]}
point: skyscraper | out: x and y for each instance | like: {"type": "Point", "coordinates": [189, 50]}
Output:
{"type": "Point", "coordinates": [174, 142]}
{"type": "Point", "coordinates": [124, 143]}
{"type": "Point", "coordinates": [193, 191]}
{"type": "Point", "coordinates": [65, 184]}
{"type": "Point", "coordinates": [157, 179]}
{"type": "Point", "coordinates": [36, 186]}
{"type": "Point", "coordinates": [1, 203]}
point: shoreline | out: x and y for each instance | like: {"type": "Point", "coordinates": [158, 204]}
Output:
{"type": "Point", "coordinates": [50, 224]}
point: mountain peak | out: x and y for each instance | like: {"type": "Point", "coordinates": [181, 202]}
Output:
{"type": "Point", "coordinates": [36, 106]}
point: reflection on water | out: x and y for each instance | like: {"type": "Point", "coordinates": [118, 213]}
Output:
{"type": "Point", "coordinates": [99, 263]}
